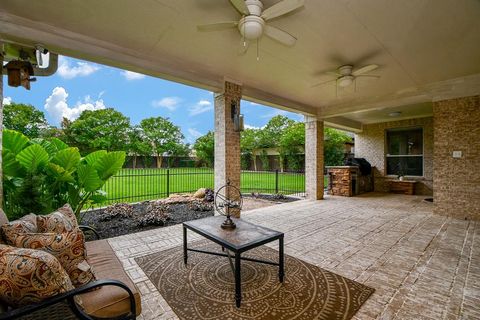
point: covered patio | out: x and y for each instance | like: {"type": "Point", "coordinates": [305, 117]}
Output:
{"type": "Point", "coordinates": [422, 265]}
{"type": "Point", "coordinates": [421, 258]}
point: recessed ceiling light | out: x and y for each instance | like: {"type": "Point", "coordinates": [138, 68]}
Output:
{"type": "Point", "coordinates": [395, 114]}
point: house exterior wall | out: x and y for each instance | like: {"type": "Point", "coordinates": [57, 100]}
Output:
{"type": "Point", "coordinates": [370, 144]}
{"type": "Point", "coordinates": [456, 181]}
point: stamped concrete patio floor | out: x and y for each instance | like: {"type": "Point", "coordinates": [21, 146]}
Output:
{"type": "Point", "coordinates": [422, 265]}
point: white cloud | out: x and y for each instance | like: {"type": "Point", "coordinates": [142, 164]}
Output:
{"type": "Point", "coordinates": [129, 75]}
{"type": "Point", "coordinates": [201, 107]}
{"type": "Point", "coordinates": [79, 69]}
{"type": "Point", "coordinates": [57, 107]}
{"type": "Point", "coordinates": [7, 100]}
{"type": "Point", "coordinates": [193, 134]}
{"type": "Point", "coordinates": [247, 126]}
{"type": "Point", "coordinates": [169, 103]}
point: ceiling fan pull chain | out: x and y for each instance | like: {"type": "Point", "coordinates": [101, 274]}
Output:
{"type": "Point", "coordinates": [258, 56]}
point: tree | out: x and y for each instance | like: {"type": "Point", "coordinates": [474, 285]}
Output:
{"type": "Point", "coordinates": [204, 147]}
{"type": "Point", "coordinates": [334, 146]}
{"type": "Point", "coordinates": [105, 129]}
{"type": "Point", "coordinates": [248, 142]}
{"type": "Point", "coordinates": [137, 144]}
{"type": "Point", "coordinates": [24, 118]}
{"type": "Point", "coordinates": [291, 145]}
{"type": "Point", "coordinates": [163, 137]}
{"type": "Point", "coordinates": [269, 135]}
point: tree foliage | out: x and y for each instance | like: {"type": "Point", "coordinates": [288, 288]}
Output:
{"type": "Point", "coordinates": [269, 135]}
{"type": "Point", "coordinates": [137, 144]}
{"type": "Point", "coordinates": [204, 147]}
{"type": "Point", "coordinates": [163, 137]}
{"type": "Point", "coordinates": [292, 145]}
{"type": "Point", "coordinates": [40, 175]}
{"type": "Point", "coordinates": [334, 146]}
{"type": "Point", "coordinates": [105, 129]}
{"type": "Point", "coordinates": [24, 118]}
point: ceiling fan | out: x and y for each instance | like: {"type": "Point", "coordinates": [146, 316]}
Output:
{"type": "Point", "coordinates": [346, 75]}
{"type": "Point", "coordinates": [254, 21]}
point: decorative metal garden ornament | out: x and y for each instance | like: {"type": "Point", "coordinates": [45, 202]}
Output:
{"type": "Point", "coordinates": [227, 198]}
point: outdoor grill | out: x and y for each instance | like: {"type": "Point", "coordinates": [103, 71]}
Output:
{"type": "Point", "coordinates": [354, 178]}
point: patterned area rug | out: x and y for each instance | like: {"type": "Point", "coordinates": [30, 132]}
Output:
{"type": "Point", "coordinates": [204, 288]}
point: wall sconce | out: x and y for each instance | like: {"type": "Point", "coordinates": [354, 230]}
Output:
{"type": "Point", "coordinates": [237, 118]}
{"type": "Point", "coordinates": [19, 73]}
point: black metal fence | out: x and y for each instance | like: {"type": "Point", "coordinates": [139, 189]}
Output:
{"type": "Point", "coordinates": [133, 185]}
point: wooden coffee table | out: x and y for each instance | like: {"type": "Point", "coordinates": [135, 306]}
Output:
{"type": "Point", "coordinates": [239, 240]}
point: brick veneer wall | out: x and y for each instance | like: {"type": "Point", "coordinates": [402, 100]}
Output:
{"type": "Point", "coordinates": [456, 181]}
{"type": "Point", "coordinates": [370, 144]}
{"type": "Point", "coordinates": [227, 140]}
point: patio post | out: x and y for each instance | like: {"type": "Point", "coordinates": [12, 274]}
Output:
{"type": "Point", "coordinates": [227, 140]}
{"type": "Point", "coordinates": [313, 158]}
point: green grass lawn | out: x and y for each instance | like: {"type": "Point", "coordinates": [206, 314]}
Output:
{"type": "Point", "coordinates": [131, 185]}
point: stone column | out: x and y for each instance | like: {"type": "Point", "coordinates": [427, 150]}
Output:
{"type": "Point", "coordinates": [227, 140]}
{"type": "Point", "coordinates": [313, 158]}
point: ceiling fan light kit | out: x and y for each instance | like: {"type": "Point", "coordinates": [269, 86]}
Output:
{"type": "Point", "coordinates": [253, 23]}
{"type": "Point", "coordinates": [251, 27]}
{"type": "Point", "coordinates": [347, 75]}
{"type": "Point", "coordinates": [345, 81]}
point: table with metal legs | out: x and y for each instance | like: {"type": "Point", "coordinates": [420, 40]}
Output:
{"type": "Point", "coordinates": [244, 237]}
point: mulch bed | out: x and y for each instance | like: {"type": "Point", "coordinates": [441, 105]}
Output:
{"type": "Point", "coordinates": [121, 219]}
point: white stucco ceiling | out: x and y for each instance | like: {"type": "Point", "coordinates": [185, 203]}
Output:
{"type": "Point", "coordinates": [426, 49]}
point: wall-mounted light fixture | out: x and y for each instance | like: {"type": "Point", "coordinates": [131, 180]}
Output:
{"type": "Point", "coordinates": [237, 118]}
{"type": "Point", "coordinates": [19, 73]}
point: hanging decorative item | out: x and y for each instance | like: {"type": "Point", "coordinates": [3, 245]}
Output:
{"type": "Point", "coordinates": [228, 200]}
{"type": "Point", "coordinates": [25, 62]}
{"type": "Point", "coordinates": [19, 73]}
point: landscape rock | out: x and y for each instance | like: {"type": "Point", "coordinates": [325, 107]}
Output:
{"type": "Point", "coordinates": [200, 194]}
{"type": "Point", "coordinates": [118, 210]}
{"type": "Point", "coordinates": [156, 214]}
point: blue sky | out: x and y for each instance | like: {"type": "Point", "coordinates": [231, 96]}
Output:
{"type": "Point", "coordinates": [80, 85]}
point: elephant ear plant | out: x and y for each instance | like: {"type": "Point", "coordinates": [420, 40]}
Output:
{"type": "Point", "coordinates": [41, 175]}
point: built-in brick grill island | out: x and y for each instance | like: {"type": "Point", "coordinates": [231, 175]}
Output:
{"type": "Point", "coordinates": [355, 177]}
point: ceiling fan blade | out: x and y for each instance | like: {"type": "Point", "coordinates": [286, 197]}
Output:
{"type": "Point", "coordinates": [364, 69]}
{"type": "Point", "coordinates": [333, 73]}
{"type": "Point", "coordinates": [218, 26]}
{"type": "Point", "coordinates": [279, 35]}
{"type": "Point", "coordinates": [240, 6]}
{"type": "Point", "coordinates": [325, 82]}
{"type": "Point", "coordinates": [281, 8]}
{"type": "Point", "coordinates": [368, 76]}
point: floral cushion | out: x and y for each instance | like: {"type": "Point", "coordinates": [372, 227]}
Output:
{"type": "Point", "coordinates": [67, 247]}
{"type": "Point", "coordinates": [29, 276]}
{"type": "Point", "coordinates": [61, 220]}
{"type": "Point", "coordinates": [26, 224]}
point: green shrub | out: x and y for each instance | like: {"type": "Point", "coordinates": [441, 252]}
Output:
{"type": "Point", "coordinates": [41, 175]}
